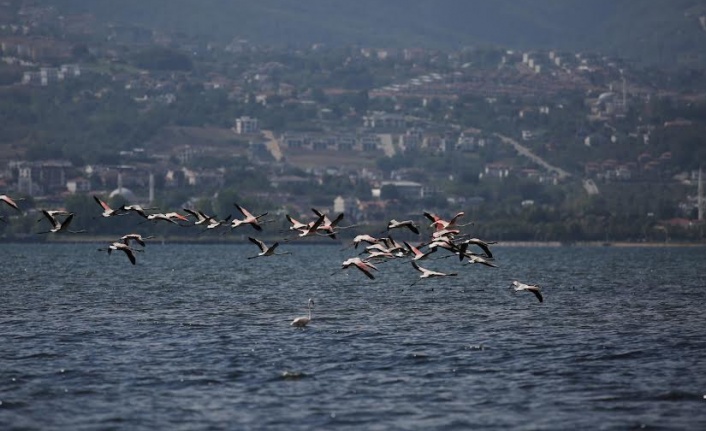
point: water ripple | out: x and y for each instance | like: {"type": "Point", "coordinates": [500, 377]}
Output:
{"type": "Point", "coordinates": [617, 344]}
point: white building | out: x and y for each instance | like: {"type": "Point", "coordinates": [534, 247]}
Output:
{"type": "Point", "coordinates": [246, 125]}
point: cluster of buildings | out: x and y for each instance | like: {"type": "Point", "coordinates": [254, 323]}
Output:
{"type": "Point", "coordinates": [528, 79]}
{"type": "Point", "coordinates": [645, 167]}
{"type": "Point", "coordinates": [49, 75]}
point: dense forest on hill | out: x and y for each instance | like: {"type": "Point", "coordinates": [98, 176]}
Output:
{"type": "Point", "coordinates": [648, 31]}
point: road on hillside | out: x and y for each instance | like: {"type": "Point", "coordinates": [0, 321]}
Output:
{"type": "Point", "coordinates": [272, 145]}
{"type": "Point", "coordinates": [521, 149]}
{"type": "Point", "coordinates": [387, 145]}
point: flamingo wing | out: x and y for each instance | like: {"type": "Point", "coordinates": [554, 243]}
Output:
{"type": "Point", "coordinates": [245, 212]}
{"type": "Point", "coordinates": [263, 247]}
{"type": "Point", "coordinates": [9, 201]}
{"type": "Point", "coordinates": [102, 204]}
{"type": "Point", "coordinates": [66, 223]}
{"type": "Point", "coordinates": [364, 269]}
{"type": "Point", "coordinates": [130, 255]}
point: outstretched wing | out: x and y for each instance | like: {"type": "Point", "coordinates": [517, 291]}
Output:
{"type": "Point", "coordinates": [263, 247]}
{"type": "Point", "coordinates": [101, 203]}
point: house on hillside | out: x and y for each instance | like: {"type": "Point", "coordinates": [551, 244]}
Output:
{"type": "Point", "coordinates": [384, 120]}
{"type": "Point", "coordinates": [78, 185]}
{"type": "Point", "coordinates": [37, 178]}
{"type": "Point", "coordinates": [495, 170]}
{"type": "Point", "coordinates": [246, 125]}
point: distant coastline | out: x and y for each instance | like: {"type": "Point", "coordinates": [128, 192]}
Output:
{"type": "Point", "coordinates": [243, 239]}
{"type": "Point", "coordinates": [597, 244]}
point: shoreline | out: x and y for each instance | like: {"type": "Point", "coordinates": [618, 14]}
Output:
{"type": "Point", "coordinates": [242, 239]}
{"type": "Point", "coordinates": [597, 244]}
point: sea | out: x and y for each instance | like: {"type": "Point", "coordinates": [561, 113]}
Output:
{"type": "Point", "coordinates": [198, 337]}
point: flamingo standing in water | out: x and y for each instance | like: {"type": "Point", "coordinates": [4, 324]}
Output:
{"type": "Point", "coordinates": [302, 321]}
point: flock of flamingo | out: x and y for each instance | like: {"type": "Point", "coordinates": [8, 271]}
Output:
{"type": "Point", "coordinates": [446, 235]}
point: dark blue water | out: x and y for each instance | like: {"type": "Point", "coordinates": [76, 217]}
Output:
{"type": "Point", "coordinates": [199, 337]}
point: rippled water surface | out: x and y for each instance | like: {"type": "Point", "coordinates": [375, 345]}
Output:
{"type": "Point", "coordinates": [199, 337]}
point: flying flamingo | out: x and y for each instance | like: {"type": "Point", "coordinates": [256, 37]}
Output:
{"type": "Point", "coordinates": [309, 229]}
{"type": "Point", "coordinates": [479, 259]}
{"type": "Point", "coordinates": [137, 209]}
{"type": "Point", "coordinates": [264, 249]}
{"type": "Point", "coordinates": [363, 265]}
{"type": "Point", "coordinates": [213, 223]}
{"type": "Point", "coordinates": [168, 217]}
{"type": "Point", "coordinates": [445, 243]}
{"type": "Point", "coordinates": [376, 247]}
{"type": "Point", "coordinates": [295, 224]}
{"type": "Point", "coordinates": [432, 217]}
{"type": "Point", "coordinates": [199, 215]}
{"type": "Point", "coordinates": [534, 288]}
{"type": "Point", "coordinates": [60, 226]}
{"type": "Point", "coordinates": [409, 224]}
{"type": "Point", "coordinates": [440, 223]}
{"type": "Point", "coordinates": [377, 254]}
{"type": "Point", "coordinates": [418, 254]}
{"type": "Point", "coordinates": [8, 200]}
{"type": "Point", "coordinates": [135, 237]}
{"type": "Point", "coordinates": [175, 215]}
{"type": "Point", "coordinates": [364, 238]}
{"type": "Point", "coordinates": [329, 228]}
{"type": "Point", "coordinates": [320, 213]}
{"type": "Point", "coordinates": [121, 246]}
{"type": "Point", "coordinates": [427, 273]}
{"type": "Point", "coordinates": [302, 321]}
{"type": "Point", "coordinates": [484, 245]}
{"type": "Point", "coordinates": [250, 219]}
{"type": "Point", "coordinates": [53, 214]}
{"type": "Point", "coordinates": [393, 246]}
{"type": "Point", "coordinates": [107, 210]}
{"type": "Point", "coordinates": [445, 233]}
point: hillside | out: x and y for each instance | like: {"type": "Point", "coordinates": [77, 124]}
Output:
{"type": "Point", "coordinates": [649, 31]}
